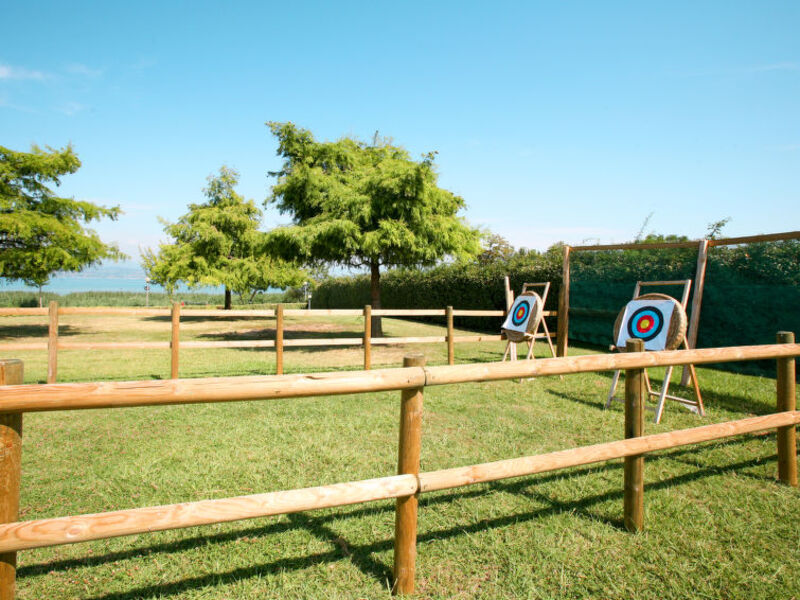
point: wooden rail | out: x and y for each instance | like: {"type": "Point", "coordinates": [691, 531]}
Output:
{"type": "Point", "coordinates": [177, 312]}
{"type": "Point", "coordinates": [409, 482]}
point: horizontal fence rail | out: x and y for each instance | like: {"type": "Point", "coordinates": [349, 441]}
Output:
{"type": "Point", "coordinates": [54, 344]}
{"type": "Point", "coordinates": [409, 482]}
{"type": "Point", "coordinates": [58, 531]}
{"type": "Point", "coordinates": [73, 396]}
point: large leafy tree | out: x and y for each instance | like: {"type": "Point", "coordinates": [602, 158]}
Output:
{"type": "Point", "coordinates": [364, 205]}
{"type": "Point", "coordinates": [219, 243]}
{"type": "Point", "coordinates": [42, 233]}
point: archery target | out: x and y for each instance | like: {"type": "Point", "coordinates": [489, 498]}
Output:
{"type": "Point", "coordinates": [649, 321]}
{"type": "Point", "coordinates": [520, 315]}
{"type": "Point", "coordinates": [524, 316]}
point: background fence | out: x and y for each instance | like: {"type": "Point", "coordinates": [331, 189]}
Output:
{"type": "Point", "coordinates": [53, 343]}
{"type": "Point", "coordinates": [406, 486]}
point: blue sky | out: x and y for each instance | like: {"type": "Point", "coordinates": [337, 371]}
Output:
{"type": "Point", "coordinates": [555, 121]}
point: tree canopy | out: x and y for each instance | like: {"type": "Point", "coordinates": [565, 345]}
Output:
{"type": "Point", "coordinates": [42, 233]}
{"type": "Point", "coordinates": [219, 243]}
{"type": "Point", "coordinates": [364, 205]}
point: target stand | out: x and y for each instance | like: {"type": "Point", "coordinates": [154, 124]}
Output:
{"type": "Point", "coordinates": [524, 320]}
{"type": "Point", "coordinates": [660, 322]}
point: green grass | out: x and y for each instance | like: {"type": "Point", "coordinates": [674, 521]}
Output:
{"type": "Point", "coordinates": [717, 523]}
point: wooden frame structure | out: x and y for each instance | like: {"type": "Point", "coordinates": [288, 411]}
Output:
{"type": "Point", "coordinates": [702, 246]}
{"type": "Point", "coordinates": [696, 406]}
{"type": "Point", "coordinates": [409, 482]}
{"type": "Point", "coordinates": [530, 339]}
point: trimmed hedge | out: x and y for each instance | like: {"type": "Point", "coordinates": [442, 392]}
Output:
{"type": "Point", "coordinates": [751, 291]}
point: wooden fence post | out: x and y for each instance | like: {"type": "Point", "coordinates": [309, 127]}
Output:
{"type": "Point", "coordinates": [52, 343]}
{"type": "Point", "coordinates": [367, 337]}
{"type": "Point", "coordinates": [405, 524]}
{"type": "Point", "coordinates": [509, 293]}
{"type": "Point", "coordinates": [10, 467]}
{"type": "Point", "coordinates": [279, 339]}
{"type": "Point", "coordinates": [175, 340]}
{"type": "Point", "coordinates": [562, 329]}
{"type": "Point", "coordinates": [451, 350]}
{"type": "Point", "coordinates": [787, 436]}
{"type": "Point", "coordinates": [634, 427]}
{"type": "Point", "coordinates": [697, 302]}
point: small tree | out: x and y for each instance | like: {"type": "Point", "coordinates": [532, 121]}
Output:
{"type": "Point", "coordinates": [218, 243]}
{"type": "Point", "coordinates": [42, 233]}
{"type": "Point", "coordinates": [360, 205]}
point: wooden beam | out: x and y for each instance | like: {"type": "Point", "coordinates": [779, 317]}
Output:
{"type": "Point", "coordinates": [279, 339]}
{"type": "Point", "coordinates": [787, 401]}
{"type": "Point", "coordinates": [19, 312]}
{"type": "Point", "coordinates": [523, 369]}
{"type": "Point", "coordinates": [52, 343]}
{"type": "Point", "coordinates": [451, 351]}
{"type": "Point", "coordinates": [562, 328]}
{"type": "Point", "coordinates": [754, 239]}
{"type": "Point", "coordinates": [83, 528]}
{"type": "Point", "coordinates": [635, 393]}
{"type": "Point", "coordinates": [408, 460]}
{"type": "Point", "coordinates": [367, 337]}
{"type": "Point", "coordinates": [73, 396]}
{"type": "Point", "coordinates": [635, 246]}
{"type": "Point", "coordinates": [697, 302]}
{"type": "Point", "coordinates": [586, 455]}
{"type": "Point", "coordinates": [175, 341]}
{"type": "Point", "coordinates": [11, 373]}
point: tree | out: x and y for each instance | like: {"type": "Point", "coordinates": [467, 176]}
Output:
{"type": "Point", "coordinates": [496, 248]}
{"type": "Point", "coordinates": [361, 205]}
{"type": "Point", "coordinates": [219, 243]}
{"type": "Point", "coordinates": [42, 233]}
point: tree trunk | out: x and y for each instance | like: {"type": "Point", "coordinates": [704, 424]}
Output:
{"type": "Point", "coordinates": [41, 304]}
{"type": "Point", "coordinates": [375, 297]}
{"type": "Point", "coordinates": [227, 298]}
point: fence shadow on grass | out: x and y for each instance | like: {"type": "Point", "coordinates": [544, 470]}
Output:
{"type": "Point", "coordinates": [362, 556]}
{"type": "Point", "coordinates": [14, 332]}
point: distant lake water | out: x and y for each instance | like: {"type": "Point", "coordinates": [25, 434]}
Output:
{"type": "Point", "coordinates": [67, 285]}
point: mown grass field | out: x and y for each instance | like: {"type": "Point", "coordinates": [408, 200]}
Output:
{"type": "Point", "coordinates": [717, 523]}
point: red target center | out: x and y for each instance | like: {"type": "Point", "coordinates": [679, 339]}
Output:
{"type": "Point", "coordinates": [645, 324]}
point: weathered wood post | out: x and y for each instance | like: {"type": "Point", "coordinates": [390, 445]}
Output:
{"type": "Point", "coordinates": [367, 337]}
{"type": "Point", "coordinates": [634, 427]}
{"type": "Point", "coordinates": [10, 468]}
{"type": "Point", "coordinates": [787, 436]}
{"type": "Point", "coordinates": [562, 328]}
{"type": "Point", "coordinates": [52, 343]}
{"type": "Point", "coordinates": [451, 350]}
{"type": "Point", "coordinates": [175, 340]}
{"type": "Point", "coordinates": [405, 524]}
{"type": "Point", "coordinates": [279, 339]}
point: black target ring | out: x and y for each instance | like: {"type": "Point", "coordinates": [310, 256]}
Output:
{"type": "Point", "coordinates": [646, 323]}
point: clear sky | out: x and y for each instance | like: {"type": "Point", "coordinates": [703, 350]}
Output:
{"type": "Point", "coordinates": [554, 120]}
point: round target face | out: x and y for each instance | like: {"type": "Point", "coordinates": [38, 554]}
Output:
{"type": "Point", "coordinates": [646, 323]}
{"type": "Point", "coordinates": [521, 313]}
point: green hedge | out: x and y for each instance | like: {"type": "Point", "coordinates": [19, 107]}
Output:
{"type": "Point", "coordinates": [751, 291]}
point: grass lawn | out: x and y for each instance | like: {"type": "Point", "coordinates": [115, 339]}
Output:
{"type": "Point", "coordinates": [717, 523]}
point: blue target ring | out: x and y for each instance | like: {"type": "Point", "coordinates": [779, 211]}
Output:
{"type": "Point", "coordinates": [521, 313]}
{"type": "Point", "coordinates": [646, 323]}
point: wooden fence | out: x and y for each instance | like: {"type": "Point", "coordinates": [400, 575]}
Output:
{"type": "Point", "coordinates": [406, 486]}
{"type": "Point", "coordinates": [54, 344]}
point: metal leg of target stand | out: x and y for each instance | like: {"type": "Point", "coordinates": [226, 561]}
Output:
{"type": "Point", "coordinates": [612, 391]}
{"type": "Point", "coordinates": [530, 349]}
{"type": "Point", "coordinates": [663, 395]}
